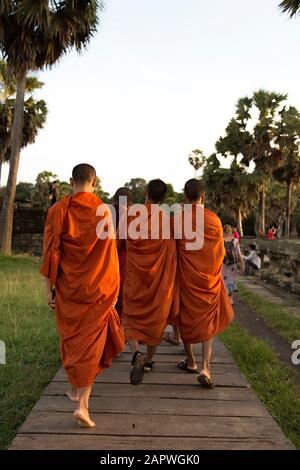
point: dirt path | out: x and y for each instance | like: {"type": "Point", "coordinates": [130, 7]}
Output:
{"type": "Point", "coordinates": [289, 301]}
{"type": "Point", "coordinates": [249, 319]}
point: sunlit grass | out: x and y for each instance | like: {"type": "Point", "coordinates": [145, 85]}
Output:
{"type": "Point", "coordinates": [273, 382]}
{"type": "Point", "coordinates": [275, 316]}
{"type": "Point", "coordinates": [32, 351]}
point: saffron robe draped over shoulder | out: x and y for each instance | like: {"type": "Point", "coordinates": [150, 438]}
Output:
{"type": "Point", "coordinates": [85, 272]}
{"type": "Point", "coordinates": [205, 308]}
{"type": "Point", "coordinates": [149, 302]}
{"type": "Point", "coordinates": [121, 247]}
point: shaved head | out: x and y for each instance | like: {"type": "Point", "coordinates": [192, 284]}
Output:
{"type": "Point", "coordinates": [83, 174]}
{"type": "Point", "coordinates": [194, 189]}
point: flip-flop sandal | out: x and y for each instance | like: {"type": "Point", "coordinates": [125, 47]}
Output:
{"type": "Point", "coordinates": [137, 368]}
{"type": "Point", "coordinates": [149, 366]}
{"type": "Point", "coordinates": [205, 381]}
{"type": "Point", "coordinates": [168, 339]}
{"type": "Point", "coordinates": [183, 366]}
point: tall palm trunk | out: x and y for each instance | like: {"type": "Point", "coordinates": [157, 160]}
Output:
{"type": "Point", "coordinates": [7, 211]}
{"type": "Point", "coordinates": [288, 208]}
{"type": "Point", "coordinates": [239, 222]}
{"type": "Point", "coordinates": [262, 211]}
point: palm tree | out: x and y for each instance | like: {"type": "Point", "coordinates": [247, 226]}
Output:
{"type": "Point", "coordinates": [232, 188]}
{"type": "Point", "coordinates": [138, 188]}
{"type": "Point", "coordinates": [197, 160]}
{"type": "Point", "coordinates": [34, 35]}
{"type": "Point", "coordinates": [263, 153]}
{"type": "Point", "coordinates": [35, 112]}
{"type": "Point", "coordinates": [292, 7]}
{"type": "Point", "coordinates": [255, 146]}
{"type": "Point", "coordinates": [288, 141]}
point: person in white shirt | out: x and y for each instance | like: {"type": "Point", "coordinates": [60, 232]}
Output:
{"type": "Point", "coordinates": [252, 260]}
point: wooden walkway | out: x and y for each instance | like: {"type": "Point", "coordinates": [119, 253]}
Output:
{"type": "Point", "coordinates": [168, 411]}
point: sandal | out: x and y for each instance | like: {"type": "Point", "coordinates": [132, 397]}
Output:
{"type": "Point", "coordinates": [205, 381]}
{"type": "Point", "coordinates": [137, 368]}
{"type": "Point", "coordinates": [149, 366]}
{"type": "Point", "coordinates": [183, 366]}
{"type": "Point", "coordinates": [168, 339]}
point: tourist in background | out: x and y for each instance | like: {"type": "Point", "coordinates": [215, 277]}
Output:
{"type": "Point", "coordinates": [235, 233]}
{"type": "Point", "coordinates": [252, 261]}
{"type": "Point", "coordinates": [232, 257]}
{"type": "Point", "coordinates": [271, 233]}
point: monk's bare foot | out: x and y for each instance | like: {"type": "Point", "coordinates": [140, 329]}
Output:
{"type": "Point", "coordinates": [171, 338]}
{"type": "Point", "coordinates": [73, 394]}
{"type": "Point", "coordinates": [83, 419]}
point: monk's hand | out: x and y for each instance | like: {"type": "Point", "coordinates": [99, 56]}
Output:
{"type": "Point", "coordinates": [51, 300]}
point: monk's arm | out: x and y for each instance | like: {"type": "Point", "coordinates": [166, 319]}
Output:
{"type": "Point", "coordinates": [50, 294]}
{"type": "Point", "coordinates": [46, 264]}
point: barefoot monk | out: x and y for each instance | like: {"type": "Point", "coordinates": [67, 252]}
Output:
{"type": "Point", "coordinates": [81, 268]}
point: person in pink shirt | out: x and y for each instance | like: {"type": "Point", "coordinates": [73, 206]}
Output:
{"type": "Point", "coordinates": [235, 233]}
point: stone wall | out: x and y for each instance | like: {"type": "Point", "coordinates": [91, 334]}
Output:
{"type": "Point", "coordinates": [28, 230]}
{"type": "Point", "coordinates": [280, 261]}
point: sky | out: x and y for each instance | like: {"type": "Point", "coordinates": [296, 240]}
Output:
{"type": "Point", "coordinates": [159, 79]}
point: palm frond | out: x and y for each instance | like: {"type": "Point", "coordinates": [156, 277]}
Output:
{"type": "Point", "coordinates": [292, 7]}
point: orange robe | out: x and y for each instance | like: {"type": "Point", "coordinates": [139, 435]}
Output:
{"type": "Point", "coordinates": [205, 308]}
{"type": "Point", "coordinates": [149, 303]}
{"type": "Point", "coordinates": [85, 273]}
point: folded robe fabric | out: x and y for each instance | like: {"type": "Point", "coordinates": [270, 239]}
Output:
{"type": "Point", "coordinates": [205, 308]}
{"type": "Point", "coordinates": [149, 302]}
{"type": "Point", "coordinates": [84, 270]}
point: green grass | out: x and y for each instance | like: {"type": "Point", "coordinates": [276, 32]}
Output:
{"type": "Point", "coordinates": [272, 381]}
{"type": "Point", "coordinates": [32, 348]}
{"type": "Point", "coordinates": [285, 324]}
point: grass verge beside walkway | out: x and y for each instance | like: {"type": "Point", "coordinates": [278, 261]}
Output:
{"type": "Point", "coordinates": [272, 381]}
{"type": "Point", "coordinates": [285, 324]}
{"type": "Point", "coordinates": [32, 352]}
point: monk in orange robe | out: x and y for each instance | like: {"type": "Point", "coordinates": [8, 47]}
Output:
{"type": "Point", "coordinates": [149, 303]}
{"type": "Point", "coordinates": [122, 200]}
{"type": "Point", "coordinates": [205, 308]}
{"type": "Point", "coordinates": [82, 266]}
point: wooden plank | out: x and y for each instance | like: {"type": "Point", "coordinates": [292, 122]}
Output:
{"type": "Point", "coordinates": [162, 367]}
{"type": "Point", "coordinates": [137, 425]}
{"type": "Point", "coordinates": [152, 406]}
{"type": "Point", "coordinates": [231, 379]}
{"type": "Point", "coordinates": [91, 442]}
{"type": "Point", "coordinates": [175, 358]}
{"type": "Point", "coordinates": [167, 348]}
{"type": "Point", "coordinates": [161, 413]}
{"type": "Point", "coordinates": [191, 392]}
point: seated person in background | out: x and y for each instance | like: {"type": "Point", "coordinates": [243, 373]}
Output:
{"type": "Point", "coordinates": [252, 261]}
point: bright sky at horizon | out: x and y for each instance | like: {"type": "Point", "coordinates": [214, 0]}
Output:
{"type": "Point", "coordinates": [159, 79]}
